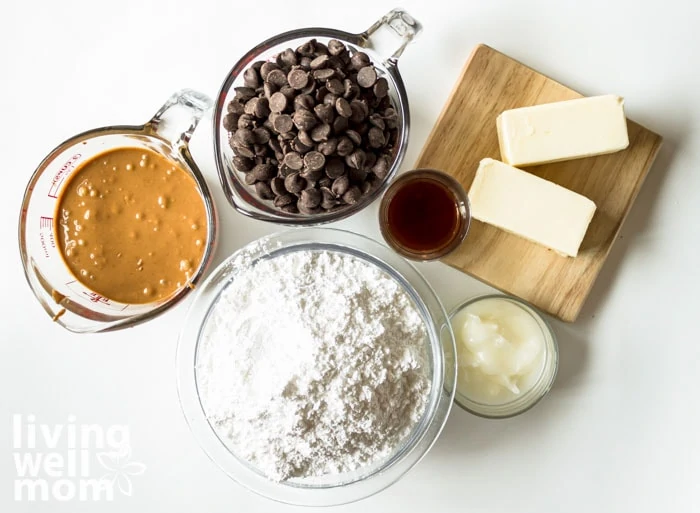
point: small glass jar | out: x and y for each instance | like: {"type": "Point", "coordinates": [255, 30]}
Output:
{"type": "Point", "coordinates": [424, 214]}
{"type": "Point", "coordinates": [540, 385]}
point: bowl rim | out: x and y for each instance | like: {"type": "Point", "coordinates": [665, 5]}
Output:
{"type": "Point", "coordinates": [402, 105]}
{"type": "Point", "coordinates": [392, 468]}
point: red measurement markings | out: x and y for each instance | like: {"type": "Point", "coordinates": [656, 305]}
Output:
{"type": "Point", "coordinates": [46, 222]}
{"type": "Point", "coordinates": [96, 298]}
{"type": "Point", "coordinates": [61, 175]}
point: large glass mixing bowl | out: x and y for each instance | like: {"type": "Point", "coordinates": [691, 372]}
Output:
{"type": "Point", "coordinates": [330, 489]}
{"type": "Point", "coordinates": [373, 41]}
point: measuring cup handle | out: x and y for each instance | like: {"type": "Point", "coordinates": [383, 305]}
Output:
{"type": "Point", "coordinates": [179, 116]}
{"type": "Point", "coordinates": [398, 23]}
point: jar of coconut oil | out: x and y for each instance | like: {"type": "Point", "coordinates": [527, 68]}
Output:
{"type": "Point", "coordinates": [507, 356]}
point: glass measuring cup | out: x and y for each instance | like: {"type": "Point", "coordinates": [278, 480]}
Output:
{"type": "Point", "coordinates": [69, 302]}
{"type": "Point", "coordinates": [379, 42]}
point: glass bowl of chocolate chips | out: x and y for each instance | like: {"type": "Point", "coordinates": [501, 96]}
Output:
{"type": "Point", "coordinates": [311, 125]}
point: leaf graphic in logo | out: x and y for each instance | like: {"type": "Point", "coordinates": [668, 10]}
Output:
{"type": "Point", "coordinates": [134, 468]}
{"type": "Point", "coordinates": [108, 460]}
{"type": "Point", "coordinates": [124, 484]}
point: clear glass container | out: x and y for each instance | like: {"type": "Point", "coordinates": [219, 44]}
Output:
{"type": "Point", "coordinates": [461, 201]}
{"type": "Point", "coordinates": [397, 24]}
{"type": "Point", "coordinates": [67, 301]}
{"type": "Point", "coordinates": [331, 489]}
{"type": "Point", "coordinates": [542, 384]}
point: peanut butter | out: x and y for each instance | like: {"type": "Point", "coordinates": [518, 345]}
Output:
{"type": "Point", "coordinates": [132, 225]}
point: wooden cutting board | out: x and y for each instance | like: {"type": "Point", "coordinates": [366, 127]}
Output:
{"type": "Point", "coordinates": [465, 132]}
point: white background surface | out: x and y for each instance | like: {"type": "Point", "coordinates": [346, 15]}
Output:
{"type": "Point", "coordinates": [619, 432]}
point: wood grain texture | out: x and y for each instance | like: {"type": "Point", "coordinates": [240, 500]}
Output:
{"type": "Point", "coordinates": [466, 132]}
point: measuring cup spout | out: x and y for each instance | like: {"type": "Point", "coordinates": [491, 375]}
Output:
{"type": "Point", "coordinates": [177, 119]}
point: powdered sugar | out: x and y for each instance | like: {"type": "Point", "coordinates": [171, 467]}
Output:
{"type": "Point", "coordinates": [313, 363]}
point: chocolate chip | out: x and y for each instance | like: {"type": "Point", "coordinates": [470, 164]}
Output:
{"type": "Point", "coordinates": [354, 137]}
{"type": "Point", "coordinates": [335, 167]}
{"type": "Point", "coordinates": [282, 123]}
{"type": "Point", "coordinates": [343, 107]}
{"type": "Point", "coordinates": [310, 198]}
{"type": "Point", "coordinates": [319, 62]}
{"type": "Point", "coordinates": [284, 199]}
{"type": "Point", "coordinates": [277, 186]}
{"type": "Point", "coordinates": [230, 121]}
{"type": "Point", "coordinates": [357, 176]}
{"type": "Point", "coordinates": [328, 147]}
{"type": "Point", "coordinates": [340, 185]}
{"type": "Point", "coordinates": [251, 78]}
{"type": "Point", "coordinates": [241, 150]}
{"type": "Point", "coordinates": [262, 136]}
{"type": "Point", "coordinates": [308, 48]}
{"type": "Point", "coordinates": [235, 107]}
{"type": "Point", "coordinates": [381, 167]}
{"type": "Point", "coordinates": [263, 190]}
{"type": "Point", "coordinates": [352, 195]}
{"type": "Point", "coordinates": [335, 86]}
{"type": "Point", "coordinates": [246, 121]}
{"type": "Point", "coordinates": [299, 146]}
{"type": "Point", "coordinates": [375, 137]}
{"type": "Point", "coordinates": [304, 119]}
{"type": "Point", "coordinates": [381, 88]}
{"type": "Point", "coordinates": [290, 209]}
{"type": "Point", "coordinates": [325, 113]}
{"type": "Point", "coordinates": [293, 160]}
{"type": "Point", "coordinates": [356, 159]}
{"type": "Point", "coordinates": [298, 78]}
{"type": "Point", "coordinates": [328, 200]}
{"type": "Point", "coordinates": [249, 179]}
{"type": "Point", "coordinates": [359, 60]}
{"type": "Point", "coordinates": [289, 92]}
{"type": "Point", "coordinates": [340, 124]}
{"type": "Point", "coordinates": [263, 172]}
{"type": "Point", "coordinates": [345, 146]}
{"type": "Point", "coordinates": [245, 136]}
{"type": "Point", "coordinates": [323, 74]}
{"type": "Point", "coordinates": [335, 47]}
{"type": "Point", "coordinates": [269, 90]}
{"type": "Point", "coordinates": [294, 183]}
{"type": "Point", "coordinates": [265, 69]}
{"type": "Point", "coordinates": [366, 77]}
{"type": "Point", "coordinates": [360, 110]}
{"type": "Point", "coordinates": [288, 58]}
{"type": "Point", "coordinates": [276, 77]}
{"type": "Point", "coordinates": [262, 108]}
{"type": "Point", "coordinates": [352, 91]}
{"type": "Point", "coordinates": [305, 138]}
{"type": "Point", "coordinates": [314, 160]}
{"type": "Point", "coordinates": [243, 94]}
{"type": "Point", "coordinates": [278, 102]}
{"type": "Point", "coordinates": [242, 164]}
{"type": "Point", "coordinates": [321, 132]}
{"type": "Point", "coordinates": [304, 101]}
{"type": "Point", "coordinates": [376, 120]}
{"type": "Point", "coordinates": [308, 211]}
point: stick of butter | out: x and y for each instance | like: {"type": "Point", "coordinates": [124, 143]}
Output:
{"type": "Point", "coordinates": [529, 206]}
{"type": "Point", "coordinates": [562, 131]}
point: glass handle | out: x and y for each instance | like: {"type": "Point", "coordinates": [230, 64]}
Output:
{"type": "Point", "coordinates": [179, 116]}
{"type": "Point", "coordinates": [397, 23]}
